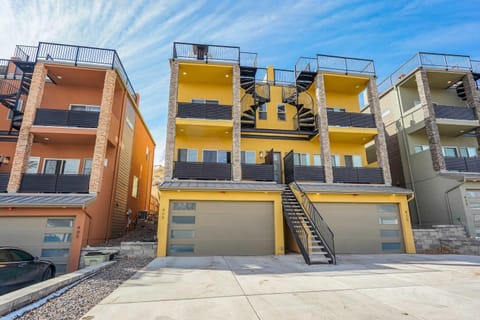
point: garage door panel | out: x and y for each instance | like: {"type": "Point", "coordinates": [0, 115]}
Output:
{"type": "Point", "coordinates": [225, 228]}
{"type": "Point", "coordinates": [358, 227]}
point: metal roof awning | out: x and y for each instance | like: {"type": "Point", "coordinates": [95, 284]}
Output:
{"type": "Point", "coordinates": [220, 185]}
{"type": "Point", "coordinates": [353, 188]}
{"type": "Point", "coordinates": [38, 200]}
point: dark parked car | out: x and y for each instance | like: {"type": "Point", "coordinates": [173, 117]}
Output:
{"type": "Point", "coordinates": [19, 269]}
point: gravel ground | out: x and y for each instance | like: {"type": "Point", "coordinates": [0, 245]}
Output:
{"type": "Point", "coordinates": [77, 301]}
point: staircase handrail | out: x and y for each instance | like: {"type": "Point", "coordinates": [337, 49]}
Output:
{"type": "Point", "coordinates": [320, 225]}
{"type": "Point", "coordinates": [7, 88]}
{"type": "Point", "coordinates": [301, 236]}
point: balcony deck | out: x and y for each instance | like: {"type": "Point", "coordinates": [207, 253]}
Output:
{"type": "Point", "coordinates": [4, 177]}
{"type": "Point", "coordinates": [358, 175]}
{"type": "Point", "coordinates": [66, 118]}
{"type": "Point", "coordinates": [204, 111]}
{"type": "Point", "coordinates": [257, 172]}
{"type": "Point", "coordinates": [463, 164]}
{"type": "Point", "coordinates": [208, 53]}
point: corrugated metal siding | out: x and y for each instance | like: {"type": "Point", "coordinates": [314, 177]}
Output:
{"type": "Point", "coordinates": [119, 218]}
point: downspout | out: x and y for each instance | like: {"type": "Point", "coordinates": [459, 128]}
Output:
{"type": "Point", "coordinates": [84, 208]}
{"type": "Point", "coordinates": [407, 152]}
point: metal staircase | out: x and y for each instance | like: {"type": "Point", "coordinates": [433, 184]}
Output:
{"type": "Point", "coordinates": [257, 92]}
{"type": "Point", "coordinates": [460, 87]}
{"type": "Point", "coordinates": [312, 234]}
{"type": "Point", "coordinates": [298, 96]}
{"type": "Point", "coordinates": [12, 89]}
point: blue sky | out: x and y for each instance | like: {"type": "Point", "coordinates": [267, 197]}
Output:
{"type": "Point", "coordinates": [280, 31]}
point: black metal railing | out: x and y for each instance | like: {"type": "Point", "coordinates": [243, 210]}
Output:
{"type": "Point", "coordinates": [213, 53]}
{"type": "Point", "coordinates": [429, 60]}
{"type": "Point", "coordinates": [8, 87]}
{"type": "Point", "coordinates": [4, 177]}
{"type": "Point", "coordinates": [66, 118]}
{"type": "Point", "coordinates": [358, 175]}
{"type": "Point", "coordinates": [54, 183]}
{"type": "Point", "coordinates": [462, 164]}
{"type": "Point", "coordinates": [345, 64]}
{"type": "Point", "coordinates": [202, 170]}
{"type": "Point", "coordinates": [257, 172]}
{"type": "Point", "coordinates": [451, 112]}
{"type": "Point", "coordinates": [204, 111]}
{"type": "Point", "coordinates": [351, 119]}
{"type": "Point", "coordinates": [76, 55]}
{"type": "Point", "coordinates": [301, 235]}
{"type": "Point", "coordinates": [4, 63]}
{"type": "Point", "coordinates": [283, 77]}
{"type": "Point", "coordinates": [305, 64]}
{"type": "Point", "coordinates": [321, 227]}
{"type": "Point", "coordinates": [301, 173]}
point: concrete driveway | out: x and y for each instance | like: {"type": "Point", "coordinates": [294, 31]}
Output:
{"type": "Point", "coordinates": [283, 287]}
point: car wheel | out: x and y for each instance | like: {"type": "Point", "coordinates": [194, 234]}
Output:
{"type": "Point", "coordinates": [48, 274]}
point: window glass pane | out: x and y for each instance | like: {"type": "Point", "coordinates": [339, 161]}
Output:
{"type": "Point", "coordinates": [184, 206]}
{"type": "Point", "coordinates": [248, 157]}
{"type": "Point", "coordinates": [70, 166]}
{"type": "Point", "coordinates": [463, 152]}
{"type": "Point", "coordinates": [209, 156]}
{"type": "Point", "coordinates": [262, 112]}
{"type": "Point", "coordinates": [388, 220]}
{"type": "Point", "coordinates": [135, 187]}
{"type": "Point", "coordinates": [472, 152]}
{"type": "Point", "coordinates": [468, 152]}
{"type": "Point", "coordinates": [222, 157]}
{"type": "Point", "coordinates": [387, 246]}
{"type": "Point", "coordinates": [418, 149]}
{"type": "Point", "coordinates": [392, 208]}
{"type": "Point", "coordinates": [32, 166]}
{"type": "Point", "coordinates": [449, 151]}
{"type": "Point", "coordinates": [296, 159]}
{"type": "Point", "coordinates": [390, 233]}
{"type": "Point", "coordinates": [182, 234]}
{"type": "Point", "coordinates": [55, 253]}
{"type": "Point", "coordinates": [198, 100]}
{"type": "Point", "coordinates": [211, 101]}
{"type": "Point", "coordinates": [50, 166]}
{"type": "Point", "coordinates": [305, 159]}
{"type": "Point", "coordinates": [183, 219]}
{"type": "Point", "coordinates": [57, 237]}
{"type": "Point", "coordinates": [181, 248]}
{"type": "Point", "coordinates": [85, 108]}
{"type": "Point", "coordinates": [192, 155]}
{"type": "Point", "coordinates": [182, 155]}
{"type": "Point", "coordinates": [87, 166]}
{"type": "Point", "coordinates": [317, 160]}
{"type": "Point", "coordinates": [357, 161]}
{"type": "Point", "coordinates": [19, 255]}
{"type": "Point", "coordinates": [281, 112]}
{"type": "Point", "coordinates": [60, 223]}
{"type": "Point", "coordinates": [335, 160]}
{"type": "Point", "coordinates": [348, 161]}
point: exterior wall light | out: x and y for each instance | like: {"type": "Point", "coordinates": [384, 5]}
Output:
{"type": "Point", "coordinates": [4, 160]}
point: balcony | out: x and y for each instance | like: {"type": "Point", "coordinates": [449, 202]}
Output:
{"type": "Point", "coordinates": [428, 60]}
{"type": "Point", "coordinates": [204, 111]}
{"type": "Point", "coordinates": [54, 183]}
{"type": "Point", "coordinates": [202, 171]}
{"type": "Point", "coordinates": [257, 172]}
{"type": "Point", "coordinates": [337, 64]}
{"type": "Point", "coordinates": [213, 53]}
{"type": "Point", "coordinates": [66, 118]}
{"type": "Point", "coordinates": [76, 56]}
{"type": "Point", "coordinates": [351, 119]}
{"type": "Point", "coordinates": [463, 164]}
{"type": "Point", "coordinates": [357, 175]}
{"type": "Point", "coordinates": [4, 177]}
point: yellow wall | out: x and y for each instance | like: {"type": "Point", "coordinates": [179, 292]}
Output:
{"type": "Point", "coordinates": [400, 200]}
{"type": "Point", "coordinates": [343, 100]}
{"type": "Point", "coordinates": [198, 90]}
{"type": "Point", "coordinates": [343, 149]}
{"type": "Point", "coordinates": [167, 196]}
{"type": "Point", "coordinates": [216, 142]}
{"type": "Point", "coordinates": [272, 121]}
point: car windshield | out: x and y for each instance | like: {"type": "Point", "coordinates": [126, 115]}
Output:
{"type": "Point", "coordinates": [19, 255]}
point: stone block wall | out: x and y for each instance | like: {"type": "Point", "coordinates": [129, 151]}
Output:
{"type": "Point", "coordinates": [445, 239]}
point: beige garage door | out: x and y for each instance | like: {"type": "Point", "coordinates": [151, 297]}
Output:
{"type": "Point", "coordinates": [364, 228]}
{"type": "Point", "coordinates": [45, 237]}
{"type": "Point", "coordinates": [204, 228]}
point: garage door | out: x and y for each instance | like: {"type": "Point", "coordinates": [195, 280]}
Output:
{"type": "Point", "coordinates": [204, 228]}
{"type": "Point", "coordinates": [45, 237]}
{"type": "Point", "coordinates": [364, 228]}
{"type": "Point", "coordinates": [473, 201]}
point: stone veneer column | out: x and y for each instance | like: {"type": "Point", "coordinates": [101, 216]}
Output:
{"type": "Point", "coordinates": [103, 129]}
{"type": "Point", "coordinates": [25, 138]}
{"type": "Point", "coordinates": [172, 114]}
{"type": "Point", "coordinates": [380, 141]}
{"type": "Point", "coordinates": [430, 121]}
{"type": "Point", "coordinates": [236, 133]}
{"type": "Point", "coordinates": [323, 127]}
{"type": "Point", "coordinates": [473, 100]}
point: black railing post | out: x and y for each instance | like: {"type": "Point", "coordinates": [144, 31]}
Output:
{"type": "Point", "coordinates": [76, 55]}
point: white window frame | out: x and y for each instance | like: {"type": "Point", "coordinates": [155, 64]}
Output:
{"type": "Point", "coordinates": [450, 147]}
{"type": "Point", "coordinates": [335, 158]}
{"type": "Point", "coordinates": [86, 106]}
{"type": "Point", "coordinates": [319, 157]}
{"type": "Point", "coordinates": [63, 165]}
{"type": "Point", "coordinates": [355, 158]}
{"type": "Point", "coordinates": [283, 114]}
{"type": "Point", "coordinates": [468, 153]}
{"type": "Point", "coordinates": [135, 186]}
{"type": "Point", "coordinates": [188, 154]}
{"type": "Point", "coordinates": [217, 153]}
{"type": "Point", "coordinates": [205, 101]}
{"type": "Point", "coordinates": [303, 159]}
{"type": "Point", "coordinates": [421, 146]}
{"type": "Point", "coordinates": [84, 165]}
{"type": "Point", "coordinates": [265, 112]}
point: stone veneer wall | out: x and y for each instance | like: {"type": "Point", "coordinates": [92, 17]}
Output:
{"type": "Point", "coordinates": [445, 239]}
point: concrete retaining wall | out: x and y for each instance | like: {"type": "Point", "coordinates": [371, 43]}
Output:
{"type": "Point", "coordinates": [139, 249]}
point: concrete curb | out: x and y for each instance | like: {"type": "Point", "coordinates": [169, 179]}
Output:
{"type": "Point", "coordinates": [15, 300]}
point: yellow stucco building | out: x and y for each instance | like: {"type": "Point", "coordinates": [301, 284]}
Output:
{"type": "Point", "coordinates": [267, 161]}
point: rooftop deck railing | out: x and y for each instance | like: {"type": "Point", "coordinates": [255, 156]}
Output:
{"type": "Point", "coordinates": [283, 77]}
{"type": "Point", "coordinates": [248, 59]}
{"type": "Point", "coordinates": [475, 66]}
{"type": "Point", "coordinates": [305, 64]}
{"type": "Point", "coordinates": [429, 60]}
{"type": "Point", "coordinates": [76, 55]}
{"type": "Point", "coordinates": [345, 64]}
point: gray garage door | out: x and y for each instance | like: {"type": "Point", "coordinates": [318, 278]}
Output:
{"type": "Point", "coordinates": [204, 228]}
{"type": "Point", "coordinates": [364, 228]}
{"type": "Point", "coordinates": [45, 237]}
